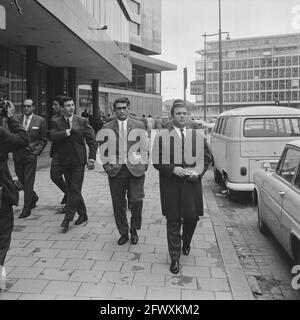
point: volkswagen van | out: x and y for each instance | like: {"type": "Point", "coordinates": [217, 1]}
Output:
{"type": "Point", "coordinates": [250, 138]}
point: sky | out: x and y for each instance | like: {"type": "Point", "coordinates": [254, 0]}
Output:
{"type": "Point", "coordinates": [184, 21]}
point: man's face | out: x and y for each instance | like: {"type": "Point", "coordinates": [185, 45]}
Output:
{"type": "Point", "coordinates": [69, 108]}
{"type": "Point", "coordinates": [56, 107]}
{"type": "Point", "coordinates": [28, 107]}
{"type": "Point", "coordinates": [180, 117]}
{"type": "Point", "coordinates": [122, 111]}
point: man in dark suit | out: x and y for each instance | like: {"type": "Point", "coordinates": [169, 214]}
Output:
{"type": "Point", "coordinates": [125, 158]}
{"type": "Point", "coordinates": [70, 132]}
{"type": "Point", "coordinates": [12, 138]}
{"type": "Point", "coordinates": [25, 160]}
{"type": "Point", "coordinates": [182, 156]}
{"type": "Point", "coordinates": [56, 170]}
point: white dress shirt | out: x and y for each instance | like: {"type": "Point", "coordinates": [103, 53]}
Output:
{"type": "Point", "coordinates": [178, 130]}
{"type": "Point", "coordinates": [124, 123]}
{"type": "Point", "coordinates": [28, 123]}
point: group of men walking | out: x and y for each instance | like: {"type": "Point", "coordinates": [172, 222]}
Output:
{"type": "Point", "coordinates": [124, 151]}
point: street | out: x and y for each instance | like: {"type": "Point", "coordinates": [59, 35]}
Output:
{"type": "Point", "coordinates": [265, 263]}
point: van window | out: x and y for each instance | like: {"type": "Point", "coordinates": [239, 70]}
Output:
{"type": "Point", "coordinates": [288, 166]}
{"type": "Point", "coordinates": [223, 129]}
{"type": "Point", "coordinates": [229, 130]}
{"type": "Point", "coordinates": [272, 127]}
{"type": "Point", "coordinates": [219, 125]}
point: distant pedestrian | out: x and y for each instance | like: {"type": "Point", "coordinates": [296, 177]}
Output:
{"type": "Point", "coordinates": [158, 123]}
{"type": "Point", "coordinates": [85, 114]}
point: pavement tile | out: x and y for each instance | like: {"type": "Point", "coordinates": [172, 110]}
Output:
{"type": "Point", "coordinates": [26, 272]}
{"type": "Point", "coordinates": [207, 262]}
{"type": "Point", "coordinates": [136, 266]}
{"type": "Point", "coordinates": [86, 276]}
{"type": "Point", "coordinates": [90, 245]}
{"type": "Point", "coordinates": [29, 296]}
{"type": "Point", "coordinates": [195, 271]}
{"type": "Point", "coordinates": [21, 261]}
{"type": "Point", "coordinates": [76, 254]}
{"type": "Point", "coordinates": [181, 282]}
{"type": "Point", "coordinates": [65, 244]}
{"type": "Point", "coordinates": [129, 292]}
{"type": "Point", "coordinates": [100, 290]}
{"type": "Point", "coordinates": [163, 293]}
{"type": "Point", "coordinates": [20, 252]}
{"type": "Point", "coordinates": [161, 268]}
{"type": "Point", "coordinates": [149, 279]}
{"type": "Point", "coordinates": [117, 277]}
{"type": "Point", "coordinates": [38, 236]}
{"type": "Point", "coordinates": [63, 288]}
{"type": "Point", "coordinates": [56, 274]}
{"type": "Point", "coordinates": [79, 264]}
{"type": "Point", "coordinates": [98, 255]}
{"type": "Point", "coordinates": [115, 247]}
{"type": "Point", "coordinates": [9, 296]}
{"type": "Point", "coordinates": [223, 296]}
{"type": "Point", "coordinates": [19, 235]}
{"type": "Point", "coordinates": [71, 298]}
{"type": "Point", "coordinates": [142, 248]}
{"type": "Point", "coordinates": [83, 237]}
{"type": "Point", "coordinates": [19, 243]}
{"type": "Point", "coordinates": [28, 286]}
{"type": "Point", "coordinates": [197, 295]}
{"type": "Point", "coordinates": [126, 256]}
{"type": "Point", "coordinates": [40, 244]}
{"type": "Point", "coordinates": [50, 262]}
{"type": "Point", "coordinates": [218, 273]}
{"type": "Point", "coordinates": [108, 265]}
{"type": "Point", "coordinates": [154, 257]}
{"type": "Point", "coordinates": [45, 253]}
{"type": "Point", "coordinates": [212, 284]}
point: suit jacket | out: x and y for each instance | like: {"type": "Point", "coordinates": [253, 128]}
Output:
{"type": "Point", "coordinates": [53, 148]}
{"type": "Point", "coordinates": [11, 140]}
{"type": "Point", "coordinates": [109, 138]}
{"type": "Point", "coordinates": [71, 149]}
{"type": "Point", "coordinates": [37, 133]}
{"type": "Point", "coordinates": [179, 196]}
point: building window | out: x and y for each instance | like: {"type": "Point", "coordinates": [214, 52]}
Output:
{"type": "Point", "coordinates": [244, 64]}
{"type": "Point", "coordinates": [210, 77]}
{"type": "Point", "coordinates": [288, 72]}
{"type": "Point", "coordinates": [216, 98]}
{"type": "Point", "coordinates": [238, 75]}
{"type": "Point", "coordinates": [256, 63]}
{"type": "Point", "coordinates": [275, 96]}
{"type": "Point", "coordinates": [226, 87]}
{"type": "Point", "coordinates": [262, 74]}
{"type": "Point", "coordinates": [262, 96]}
{"type": "Point", "coordinates": [288, 61]}
{"type": "Point", "coordinates": [215, 65]}
{"type": "Point", "coordinates": [262, 85]}
{"type": "Point", "coordinates": [215, 87]}
{"type": "Point", "coordinates": [226, 65]}
{"type": "Point", "coordinates": [226, 97]}
{"type": "Point", "coordinates": [232, 75]}
{"type": "Point", "coordinates": [244, 75]}
{"type": "Point", "coordinates": [215, 76]}
{"type": "Point", "coordinates": [295, 60]}
{"type": "Point", "coordinates": [269, 96]}
{"type": "Point", "coordinates": [250, 86]}
{"type": "Point", "coordinates": [281, 73]}
{"type": "Point", "coordinates": [232, 97]}
{"type": "Point", "coordinates": [210, 87]}
{"type": "Point", "coordinates": [295, 72]}
{"type": "Point", "coordinates": [294, 95]}
{"type": "Point", "coordinates": [275, 73]}
{"type": "Point", "coordinates": [281, 96]}
{"type": "Point", "coordinates": [232, 86]}
{"type": "Point", "coordinates": [281, 84]}
{"type": "Point", "coordinates": [238, 86]}
{"type": "Point", "coordinates": [250, 96]}
{"type": "Point", "coordinates": [282, 61]}
{"type": "Point", "coordinates": [275, 62]}
{"type": "Point", "coordinates": [244, 86]}
{"type": "Point", "coordinates": [269, 62]}
{"type": "Point", "coordinates": [238, 97]}
{"type": "Point", "coordinates": [244, 97]}
{"type": "Point", "coordinates": [269, 85]}
{"type": "Point", "coordinates": [250, 63]}
{"type": "Point", "coordinates": [256, 74]}
{"type": "Point", "coordinates": [256, 96]}
{"type": "Point", "coordinates": [226, 76]}
{"type": "Point", "coordinates": [232, 64]}
{"type": "Point", "coordinates": [275, 84]}
{"type": "Point", "coordinates": [250, 74]}
{"type": "Point", "coordinates": [256, 85]}
{"type": "Point", "coordinates": [239, 64]}
{"type": "Point", "coordinates": [269, 73]}
{"type": "Point", "coordinates": [262, 62]}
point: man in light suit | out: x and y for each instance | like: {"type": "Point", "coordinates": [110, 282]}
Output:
{"type": "Point", "coordinates": [25, 160]}
{"type": "Point", "coordinates": [125, 158]}
{"type": "Point", "coordinates": [70, 132]}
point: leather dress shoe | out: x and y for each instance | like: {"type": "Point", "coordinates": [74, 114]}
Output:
{"type": "Point", "coordinates": [34, 201]}
{"type": "Point", "coordinates": [186, 250]}
{"type": "Point", "coordinates": [134, 237]}
{"type": "Point", "coordinates": [123, 240]}
{"type": "Point", "coordinates": [25, 213]}
{"type": "Point", "coordinates": [81, 219]}
{"type": "Point", "coordinates": [65, 225]}
{"type": "Point", "coordinates": [174, 267]}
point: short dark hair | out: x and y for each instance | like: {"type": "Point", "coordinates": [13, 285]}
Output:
{"type": "Point", "coordinates": [65, 99]}
{"type": "Point", "coordinates": [177, 104]}
{"type": "Point", "coordinates": [58, 98]}
{"type": "Point", "coordinates": [121, 100]}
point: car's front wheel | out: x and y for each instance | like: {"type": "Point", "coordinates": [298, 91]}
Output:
{"type": "Point", "coordinates": [261, 224]}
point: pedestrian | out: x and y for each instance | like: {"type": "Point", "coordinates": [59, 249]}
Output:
{"type": "Point", "coordinates": [12, 138]}
{"type": "Point", "coordinates": [69, 132]}
{"type": "Point", "coordinates": [56, 170]}
{"type": "Point", "coordinates": [158, 123]}
{"type": "Point", "coordinates": [25, 160]}
{"type": "Point", "coordinates": [180, 180]}
{"type": "Point", "coordinates": [124, 174]}
{"type": "Point", "coordinates": [85, 114]}
{"type": "Point", "coordinates": [150, 124]}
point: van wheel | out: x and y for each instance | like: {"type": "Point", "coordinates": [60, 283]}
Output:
{"type": "Point", "coordinates": [217, 175]}
{"type": "Point", "coordinates": [261, 225]}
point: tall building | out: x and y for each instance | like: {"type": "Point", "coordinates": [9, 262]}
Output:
{"type": "Point", "coordinates": [50, 47]}
{"type": "Point", "coordinates": [144, 88]}
{"type": "Point", "coordinates": [256, 71]}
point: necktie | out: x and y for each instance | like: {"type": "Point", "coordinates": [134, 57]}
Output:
{"type": "Point", "coordinates": [68, 123]}
{"type": "Point", "coordinates": [182, 145]}
{"type": "Point", "coordinates": [122, 129]}
{"type": "Point", "coordinates": [26, 122]}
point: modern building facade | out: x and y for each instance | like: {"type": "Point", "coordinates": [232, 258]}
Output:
{"type": "Point", "coordinates": [256, 71]}
{"type": "Point", "coordinates": [55, 46]}
{"type": "Point", "coordinates": [144, 89]}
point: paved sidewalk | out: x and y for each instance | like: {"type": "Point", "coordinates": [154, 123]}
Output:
{"type": "Point", "coordinates": [87, 263]}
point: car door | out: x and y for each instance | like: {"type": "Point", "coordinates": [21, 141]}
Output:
{"type": "Point", "coordinates": [276, 187]}
{"type": "Point", "coordinates": [290, 216]}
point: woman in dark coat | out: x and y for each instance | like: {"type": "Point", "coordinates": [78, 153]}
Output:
{"type": "Point", "coordinates": [180, 179]}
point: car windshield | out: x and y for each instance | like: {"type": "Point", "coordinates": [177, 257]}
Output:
{"type": "Point", "coordinates": [272, 127]}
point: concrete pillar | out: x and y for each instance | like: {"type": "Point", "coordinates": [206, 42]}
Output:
{"type": "Point", "coordinates": [72, 83]}
{"type": "Point", "coordinates": [95, 94]}
{"type": "Point", "coordinates": [32, 73]}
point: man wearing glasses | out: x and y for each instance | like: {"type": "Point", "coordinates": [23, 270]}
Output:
{"type": "Point", "coordinates": [125, 158]}
{"type": "Point", "coordinates": [25, 160]}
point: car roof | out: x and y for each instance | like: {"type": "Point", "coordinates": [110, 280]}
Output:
{"type": "Point", "coordinates": [294, 143]}
{"type": "Point", "coordinates": [260, 111]}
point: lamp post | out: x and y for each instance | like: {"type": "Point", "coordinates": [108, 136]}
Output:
{"type": "Point", "coordinates": [205, 35]}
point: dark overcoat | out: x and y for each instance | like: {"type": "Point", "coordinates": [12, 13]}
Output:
{"type": "Point", "coordinates": [180, 197]}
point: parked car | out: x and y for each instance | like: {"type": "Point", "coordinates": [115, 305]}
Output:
{"type": "Point", "coordinates": [244, 139]}
{"type": "Point", "coordinates": [277, 195]}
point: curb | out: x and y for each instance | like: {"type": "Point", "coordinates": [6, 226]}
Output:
{"type": "Point", "coordinates": [236, 276]}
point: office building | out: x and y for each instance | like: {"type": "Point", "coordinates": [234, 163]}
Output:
{"type": "Point", "coordinates": [256, 71]}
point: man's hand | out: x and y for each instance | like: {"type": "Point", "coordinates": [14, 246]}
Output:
{"type": "Point", "coordinates": [10, 109]}
{"type": "Point", "coordinates": [91, 165]}
{"type": "Point", "coordinates": [180, 172]}
{"type": "Point", "coordinates": [194, 176]}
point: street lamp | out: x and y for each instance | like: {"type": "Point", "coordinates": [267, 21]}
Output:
{"type": "Point", "coordinates": [205, 35]}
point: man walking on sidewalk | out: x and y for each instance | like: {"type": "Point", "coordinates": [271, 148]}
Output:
{"type": "Point", "coordinates": [70, 132]}
{"type": "Point", "coordinates": [56, 170]}
{"type": "Point", "coordinates": [182, 156]}
{"type": "Point", "coordinates": [125, 169]}
{"type": "Point", "coordinates": [25, 160]}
